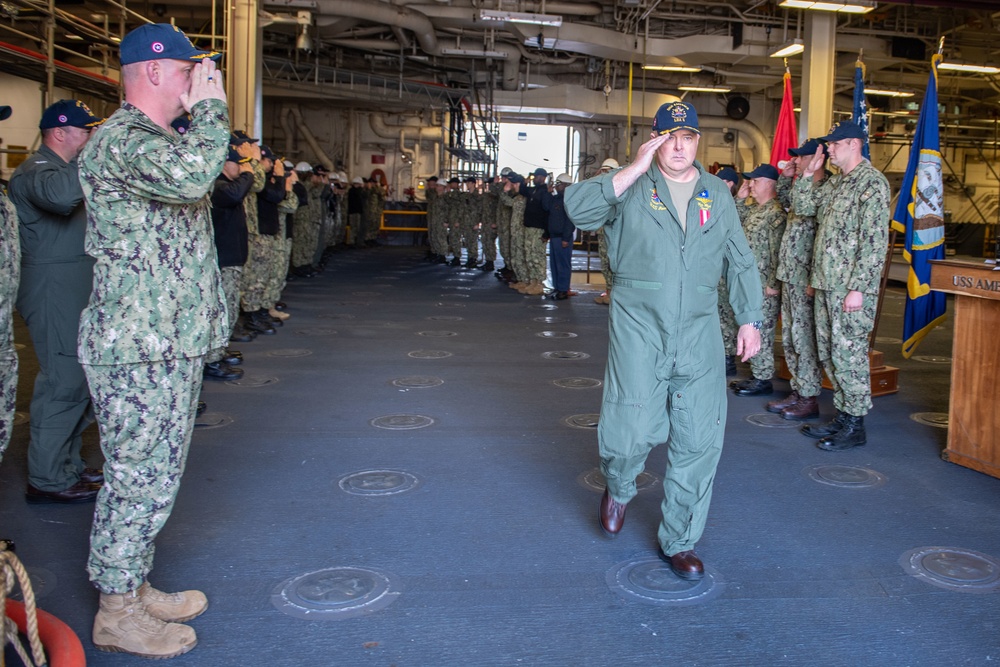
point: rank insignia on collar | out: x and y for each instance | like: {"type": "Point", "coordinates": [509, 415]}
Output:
{"type": "Point", "coordinates": [655, 203]}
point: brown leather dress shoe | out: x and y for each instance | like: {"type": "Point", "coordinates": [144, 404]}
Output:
{"type": "Point", "coordinates": [779, 404]}
{"type": "Point", "coordinates": [612, 515]}
{"type": "Point", "coordinates": [685, 565]}
{"type": "Point", "coordinates": [81, 492]}
{"type": "Point", "coordinates": [92, 476]}
{"type": "Point", "coordinates": [807, 407]}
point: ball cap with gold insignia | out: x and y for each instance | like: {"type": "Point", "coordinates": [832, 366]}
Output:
{"type": "Point", "coordinates": [160, 41]}
{"type": "Point", "coordinates": [674, 116]}
{"type": "Point", "coordinates": [72, 113]}
{"type": "Point", "coordinates": [845, 129]}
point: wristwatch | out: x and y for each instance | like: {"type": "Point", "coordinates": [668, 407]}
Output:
{"type": "Point", "coordinates": [756, 325]}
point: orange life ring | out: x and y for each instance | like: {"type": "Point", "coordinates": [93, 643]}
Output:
{"type": "Point", "coordinates": [380, 175]}
{"type": "Point", "coordinates": [62, 646]}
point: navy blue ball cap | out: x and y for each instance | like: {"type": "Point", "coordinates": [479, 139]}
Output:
{"type": "Point", "coordinates": [808, 148]}
{"type": "Point", "coordinates": [763, 171]}
{"type": "Point", "coordinates": [845, 129]}
{"type": "Point", "coordinates": [5, 112]}
{"type": "Point", "coordinates": [515, 177]}
{"type": "Point", "coordinates": [453, 179]}
{"type": "Point", "coordinates": [241, 137]}
{"type": "Point", "coordinates": [540, 172]}
{"type": "Point", "coordinates": [674, 116]}
{"type": "Point", "coordinates": [72, 113]}
{"type": "Point", "coordinates": [234, 156]}
{"type": "Point", "coordinates": [159, 41]}
{"type": "Point", "coordinates": [266, 153]}
{"type": "Point", "coordinates": [728, 174]}
{"type": "Point", "coordinates": [320, 169]}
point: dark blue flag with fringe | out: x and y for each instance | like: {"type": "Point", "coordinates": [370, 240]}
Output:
{"type": "Point", "coordinates": [920, 216]}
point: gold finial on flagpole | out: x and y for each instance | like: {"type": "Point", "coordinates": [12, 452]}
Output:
{"type": "Point", "coordinates": [941, 46]}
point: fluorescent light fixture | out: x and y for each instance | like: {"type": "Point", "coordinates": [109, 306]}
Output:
{"type": "Point", "coordinates": [792, 48]}
{"type": "Point", "coordinates": [886, 92]}
{"type": "Point", "coordinates": [844, 6]}
{"type": "Point", "coordinates": [546, 42]}
{"type": "Point", "coordinates": [474, 53]}
{"type": "Point", "coordinates": [672, 68]}
{"type": "Point", "coordinates": [966, 67]}
{"type": "Point", "coordinates": [693, 88]}
{"type": "Point", "coordinates": [520, 17]}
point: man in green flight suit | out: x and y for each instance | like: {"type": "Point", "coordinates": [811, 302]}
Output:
{"type": "Point", "coordinates": [56, 277]}
{"type": "Point", "coordinates": [669, 225]}
{"type": "Point", "coordinates": [157, 308]}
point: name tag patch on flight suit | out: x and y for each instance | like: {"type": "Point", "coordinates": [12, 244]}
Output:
{"type": "Point", "coordinates": [655, 203]}
{"type": "Point", "coordinates": [704, 207]}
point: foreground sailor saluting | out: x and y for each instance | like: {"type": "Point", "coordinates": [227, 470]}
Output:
{"type": "Point", "coordinates": [157, 308]}
{"type": "Point", "coordinates": [669, 225]}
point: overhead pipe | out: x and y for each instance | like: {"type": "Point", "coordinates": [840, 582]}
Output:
{"type": "Point", "coordinates": [311, 139]}
{"type": "Point", "coordinates": [760, 148]}
{"type": "Point", "coordinates": [286, 126]}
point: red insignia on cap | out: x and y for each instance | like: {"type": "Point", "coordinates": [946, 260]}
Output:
{"type": "Point", "coordinates": [157, 47]}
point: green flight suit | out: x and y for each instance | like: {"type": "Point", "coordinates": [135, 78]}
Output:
{"type": "Point", "coordinates": [157, 308]}
{"type": "Point", "coordinates": [56, 278]}
{"type": "Point", "coordinates": [665, 377]}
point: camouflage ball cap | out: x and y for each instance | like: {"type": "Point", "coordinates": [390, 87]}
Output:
{"type": "Point", "coordinates": [71, 113]}
{"type": "Point", "coordinates": [674, 116]}
{"type": "Point", "coordinates": [158, 41]}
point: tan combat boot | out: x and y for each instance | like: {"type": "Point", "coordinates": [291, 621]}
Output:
{"type": "Point", "coordinates": [277, 314]}
{"type": "Point", "coordinates": [172, 607]}
{"type": "Point", "coordinates": [123, 625]}
{"type": "Point", "coordinates": [535, 289]}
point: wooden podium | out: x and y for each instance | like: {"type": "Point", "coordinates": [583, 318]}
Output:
{"type": "Point", "coordinates": [973, 414]}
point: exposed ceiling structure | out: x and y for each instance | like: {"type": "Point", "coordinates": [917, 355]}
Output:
{"type": "Point", "coordinates": [403, 54]}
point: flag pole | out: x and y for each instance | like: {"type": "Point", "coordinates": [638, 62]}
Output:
{"type": "Point", "coordinates": [888, 253]}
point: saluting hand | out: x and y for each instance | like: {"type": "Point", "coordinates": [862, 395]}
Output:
{"type": "Point", "coordinates": [624, 178]}
{"type": "Point", "coordinates": [744, 190]}
{"type": "Point", "coordinates": [206, 84]}
{"type": "Point", "coordinates": [815, 163]}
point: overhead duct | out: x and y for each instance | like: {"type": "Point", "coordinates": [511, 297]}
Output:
{"type": "Point", "coordinates": [384, 130]}
{"type": "Point", "coordinates": [311, 140]}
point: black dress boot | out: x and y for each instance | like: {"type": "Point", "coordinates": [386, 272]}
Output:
{"type": "Point", "coordinates": [851, 434]}
{"type": "Point", "coordinates": [487, 266]}
{"type": "Point", "coordinates": [827, 429]}
{"type": "Point", "coordinates": [755, 387]}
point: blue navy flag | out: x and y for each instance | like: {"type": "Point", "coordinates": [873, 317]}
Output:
{"type": "Point", "coordinates": [920, 215]}
{"type": "Point", "coordinates": [860, 112]}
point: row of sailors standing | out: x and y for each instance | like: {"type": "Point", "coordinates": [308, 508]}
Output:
{"type": "Point", "coordinates": [508, 212]}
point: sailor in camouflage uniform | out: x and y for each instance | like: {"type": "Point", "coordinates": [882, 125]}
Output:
{"type": "Point", "coordinates": [503, 227]}
{"type": "Point", "coordinates": [469, 222]}
{"type": "Point", "coordinates": [437, 235]}
{"type": "Point", "coordinates": [489, 202]}
{"type": "Point", "coordinates": [156, 309]}
{"type": "Point", "coordinates": [451, 210]}
{"type": "Point", "coordinates": [308, 220]}
{"type": "Point", "coordinates": [513, 198]}
{"type": "Point", "coordinates": [798, 322]}
{"type": "Point", "coordinates": [763, 224]}
{"type": "Point", "coordinates": [727, 318]}
{"type": "Point", "coordinates": [852, 213]}
{"type": "Point", "coordinates": [10, 272]}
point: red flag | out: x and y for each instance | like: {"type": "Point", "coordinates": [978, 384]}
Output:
{"type": "Point", "coordinates": [785, 134]}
